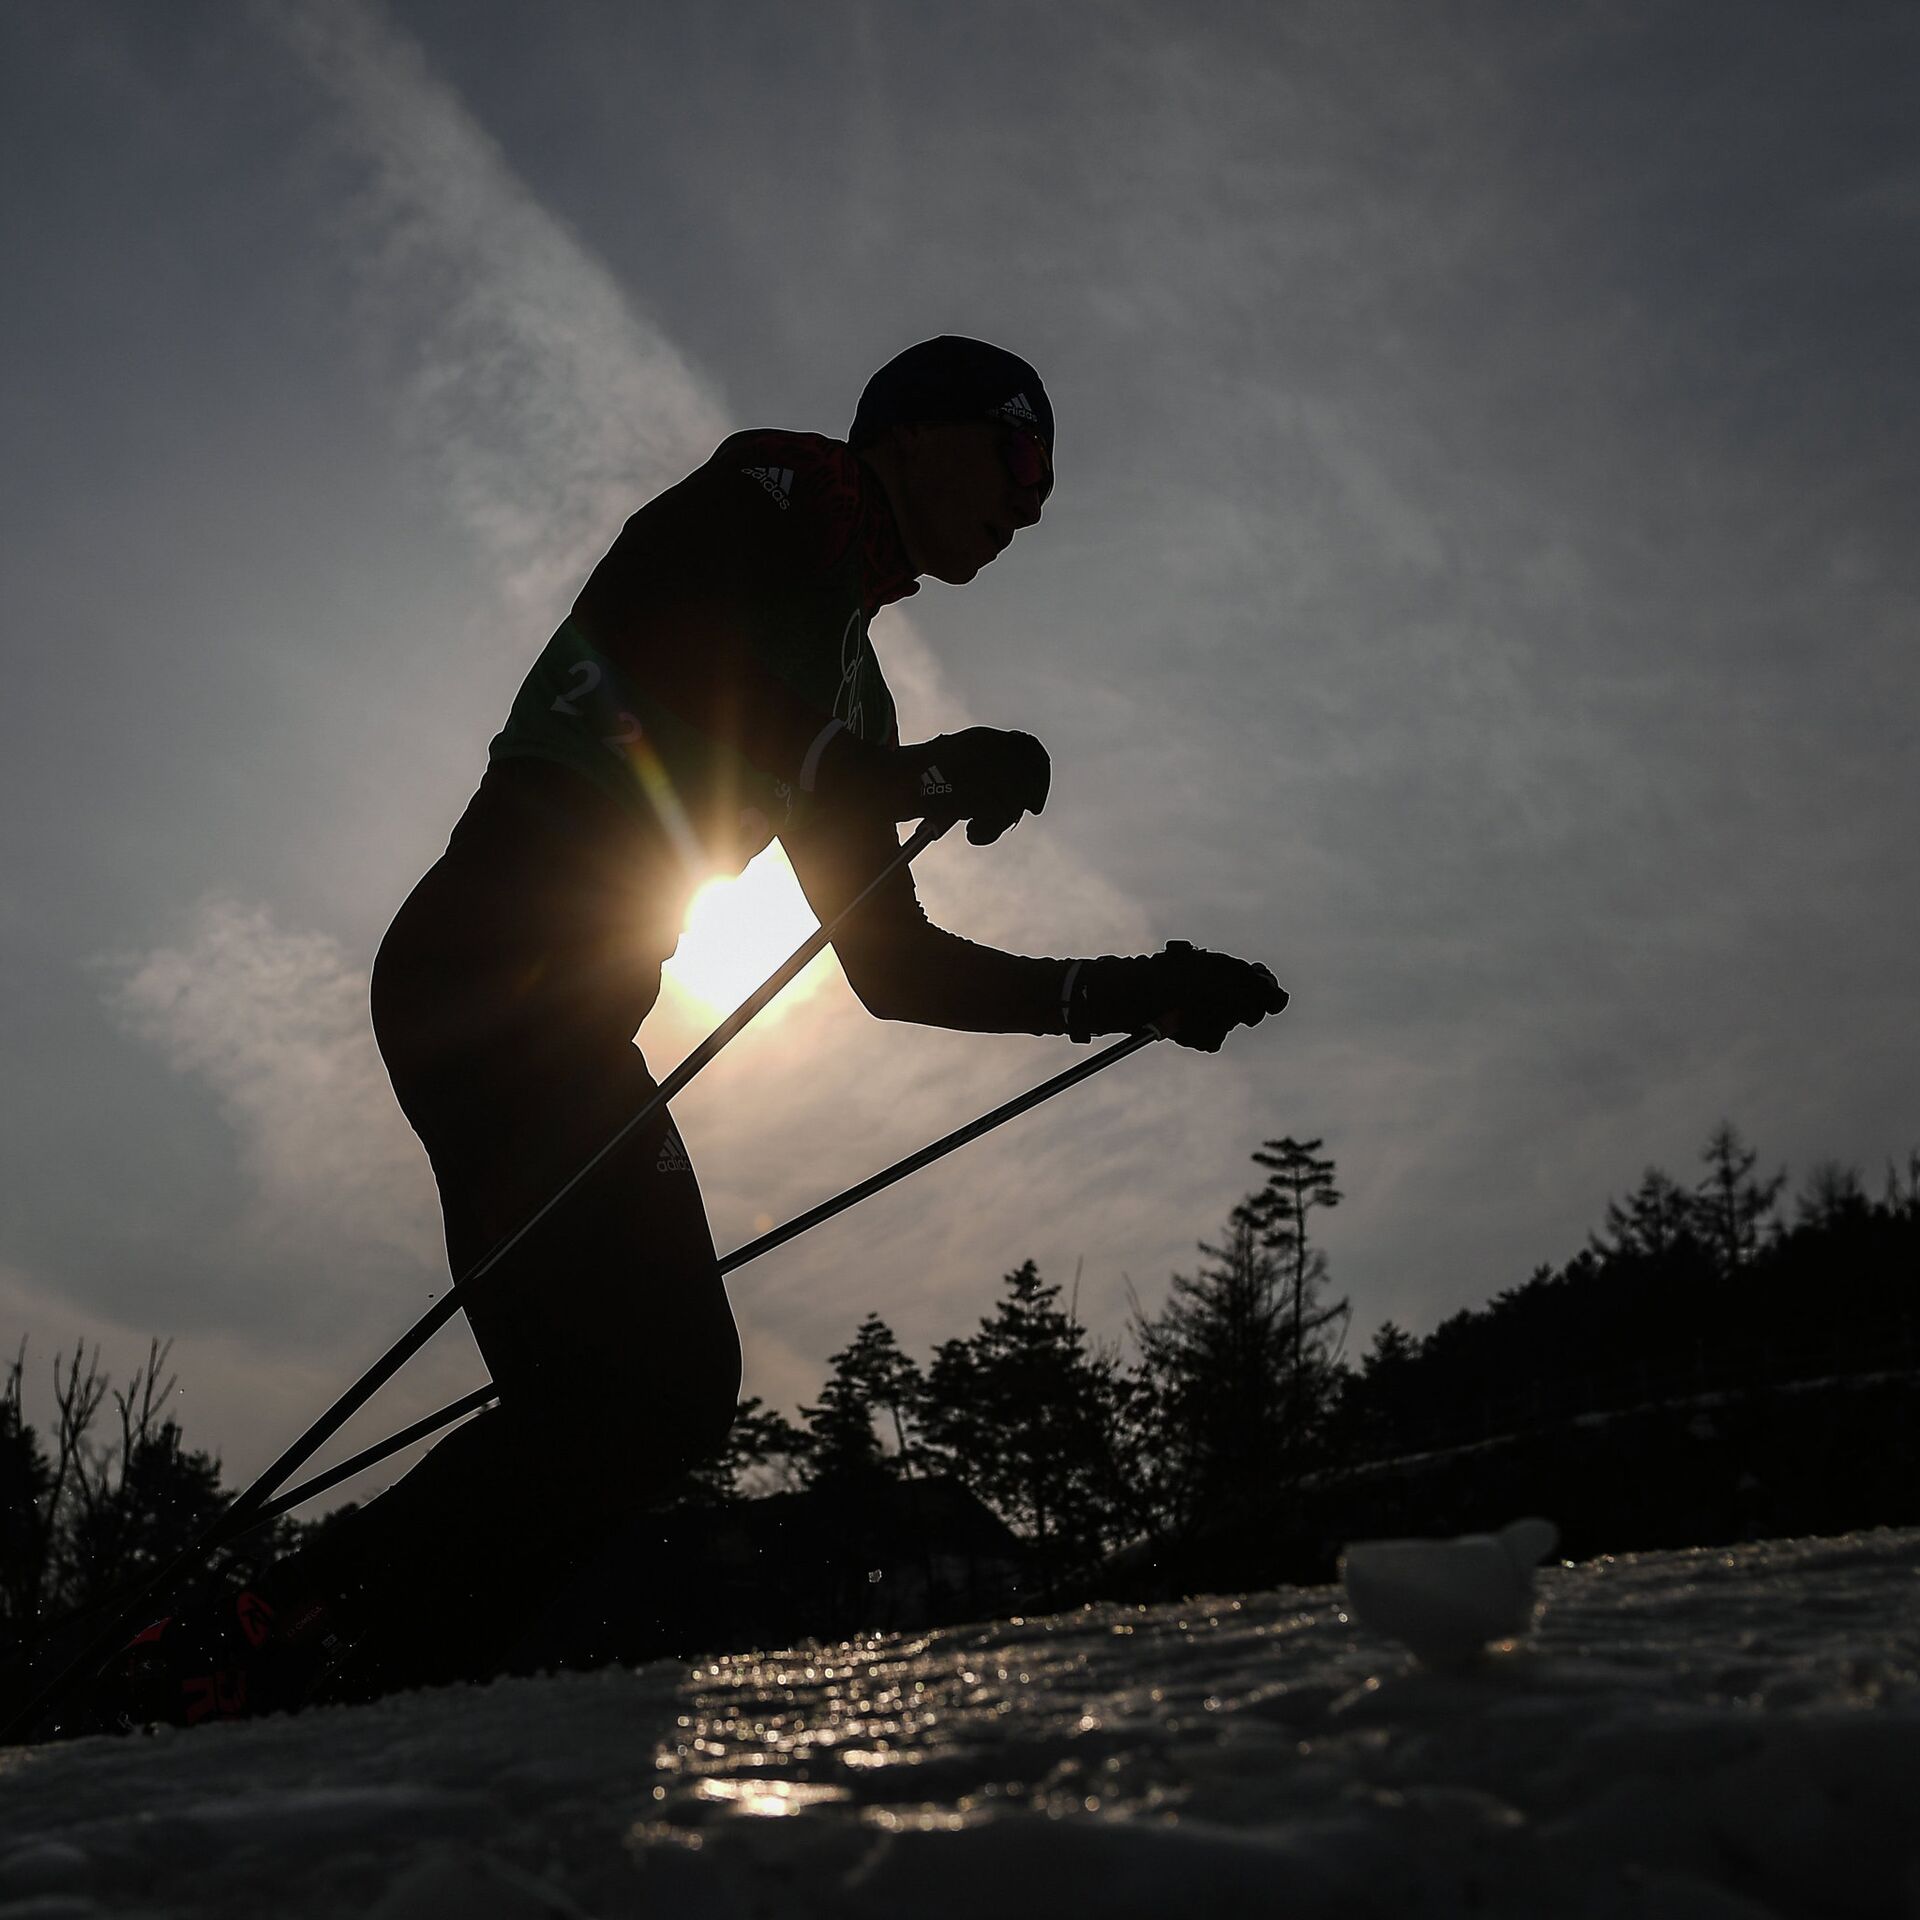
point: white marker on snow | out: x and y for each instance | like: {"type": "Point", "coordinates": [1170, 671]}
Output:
{"type": "Point", "coordinates": [1447, 1599]}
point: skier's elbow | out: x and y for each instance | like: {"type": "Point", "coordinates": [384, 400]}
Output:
{"type": "Point", "coordinates": [881, 974]}
{"type": "Point", "coordinates": [879, 994]}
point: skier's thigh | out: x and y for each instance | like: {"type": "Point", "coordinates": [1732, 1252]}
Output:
{"type": "Point", "coordinates": [611, 1320]}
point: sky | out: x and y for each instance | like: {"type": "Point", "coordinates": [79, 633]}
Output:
{"type": "Point", "coordinates": [1480, 584]}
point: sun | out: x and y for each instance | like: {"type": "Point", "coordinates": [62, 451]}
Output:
{"type": "Point", "coordinates": [737, 932]}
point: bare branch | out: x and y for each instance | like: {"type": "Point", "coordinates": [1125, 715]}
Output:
{"type": "Point", "coordinates": [145, 1396]}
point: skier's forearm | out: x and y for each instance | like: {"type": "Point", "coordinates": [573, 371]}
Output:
{"type": "Point", "coordinates": [937, 979]}
{"type": "Point", "coordinates": [899, 964]}
{"type": "Point", "coordinates": [903, 967]}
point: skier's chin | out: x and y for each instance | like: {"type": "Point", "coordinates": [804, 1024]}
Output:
{"type": "Point", "coordinates": [956, 573]}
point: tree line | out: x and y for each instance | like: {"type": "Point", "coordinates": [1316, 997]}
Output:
{"type": "Point", "coordinates": [1236, 1387]}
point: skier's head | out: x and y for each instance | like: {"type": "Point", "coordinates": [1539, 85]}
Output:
{"type": "Point", "coordinates": [961, 434]}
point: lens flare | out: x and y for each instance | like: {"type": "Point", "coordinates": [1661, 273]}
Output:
{"type": "Point", "coordinates": [737, 932]}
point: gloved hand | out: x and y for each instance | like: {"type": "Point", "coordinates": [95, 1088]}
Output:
{"type": "Point", "coordinates": [1194, 996]}
{"type": "Point", "coordinates": [982, 775]}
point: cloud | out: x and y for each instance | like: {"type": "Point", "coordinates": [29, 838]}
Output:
{"type": "Point", "coordinates": [333, 1243]}
{"type": "Point", "coordinates": [528, 386]}
{"type": "Point", "coordinates": [274, 1024]}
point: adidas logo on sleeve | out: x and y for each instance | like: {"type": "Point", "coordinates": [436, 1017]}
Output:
{"type": "Point", "coordinates": [778, 482]}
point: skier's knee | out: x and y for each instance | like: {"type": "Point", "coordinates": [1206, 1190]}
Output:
{"type": "Point", "coordinates": [710, 1424]}
{"type": "Point", "coordinates": [641, 1438]}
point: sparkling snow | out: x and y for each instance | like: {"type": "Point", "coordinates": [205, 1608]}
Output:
{"type": "Point", "coordinates": [1693, 1736]}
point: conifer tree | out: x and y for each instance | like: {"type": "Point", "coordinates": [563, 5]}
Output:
{"type": "Point", "coordinates": [1376, 1414]}
{"type": "Point", "coordinates": [1831, 1197]}
{"type": "Point", "coordinates": [761, 1455]}
{"type": "Point", "coordinates": [841, 1444]}
{"type": "Point", "coordinates": [1297, 1183]}
{"type": "Point", "coordinates": [1734, 1208]}
{"type": "Point", "coordinates": [890, 1379]}
{"type": "Point", "coordinates": [1655, 1220]}
{"type": "Point", "coordinates": [1025, 1411]}
{"type": "Point", "coordinates": [1240, 1357]}
{"type": "Point", "coordinates": [870, 1379]}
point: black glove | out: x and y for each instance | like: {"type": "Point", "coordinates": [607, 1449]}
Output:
{"type": "Point", "coordinates": [983, 776]}
{"type": "Point", "coordinates": [1193, 996]}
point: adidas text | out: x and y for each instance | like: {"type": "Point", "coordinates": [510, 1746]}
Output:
{"type": "Point", "coordinates": [777, 481]}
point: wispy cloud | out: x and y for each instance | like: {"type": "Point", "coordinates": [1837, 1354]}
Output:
{"type": "Point", "coordinates": [528, 385]}
{"type": "Point", "coordinates": [274, 1024]}
{"type": "Point", "coordinates": [332, 1243]}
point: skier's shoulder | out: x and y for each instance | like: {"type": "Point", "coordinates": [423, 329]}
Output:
{"type": "Point", "coordinates": [802, 489]}
{"type": "Point", "coordinates": [768, 511]}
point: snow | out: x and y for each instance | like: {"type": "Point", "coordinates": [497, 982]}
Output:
{"type": "Point", "coordinates": [1701, 1735]}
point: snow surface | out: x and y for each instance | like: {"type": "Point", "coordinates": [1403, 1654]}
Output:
{"type": "Point", "coordinates": [1693, 1736]}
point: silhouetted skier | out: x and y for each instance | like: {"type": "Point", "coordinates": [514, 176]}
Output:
{"type": "Point", "coordinates": [712, 689]}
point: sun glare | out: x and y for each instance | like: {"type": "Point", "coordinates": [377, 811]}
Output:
{"type": "Point", "coordinates": [738, 931]}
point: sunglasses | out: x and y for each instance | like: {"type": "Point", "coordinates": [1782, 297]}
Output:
{"type": "Point", "coordinates": [1027, 460]}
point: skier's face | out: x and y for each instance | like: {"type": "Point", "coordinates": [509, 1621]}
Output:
{"type": "Point", "coordinates": [962, 489]}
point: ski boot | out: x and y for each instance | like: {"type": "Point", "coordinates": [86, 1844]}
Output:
{"type": "Point", "coordinates": [236, 1656]}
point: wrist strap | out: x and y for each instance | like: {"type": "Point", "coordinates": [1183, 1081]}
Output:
{"type": "Point", "coordinates": [1073, 1022]}
{"type": "Point", "coordinates": [810, 766]}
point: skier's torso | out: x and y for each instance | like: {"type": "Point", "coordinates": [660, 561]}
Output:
{"type": "Point", "coordinates": [540, 933]}
{"type": "Point", "coordinates": [795, 540]}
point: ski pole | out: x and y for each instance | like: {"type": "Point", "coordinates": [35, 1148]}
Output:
{"type": "Point", "coordinates": [778, 1237]}
{"type": "Point", "coordinates": [241, 1516]}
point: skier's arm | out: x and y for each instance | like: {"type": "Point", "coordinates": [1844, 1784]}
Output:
{"type": "Point", "coordinates": [899, 964]}
{"type": "Point", "coordinates": [903, 967]}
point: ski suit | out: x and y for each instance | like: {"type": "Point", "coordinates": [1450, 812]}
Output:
{"type": "Point", "coordinates": [663, 735]}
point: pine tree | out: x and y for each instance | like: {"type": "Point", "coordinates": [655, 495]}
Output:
{"type": "Point", "coordinates": [1297, 1184]}
{"type": "Point", "coordinates": [1376, 1414]}
{"type": "Point", "coordinates": [1239, 1359]}
{"type": "Point", "coordinates": [891, 1381]}
{"type": "Point", "coordinates": [869, 1379]}
{"type": "Point", "coordinates": [841, 1443]}
{"type": "Point", "coordinates": [1734, 1208]}
{"type": "Point", "coordinates": [1831, 1197]}
{"type": "Point", "coordinates": [1658, 1218]}
{"type": "Point", "coordinates": [1026, 1412]}
{"type": "Point", "coordinates": [761, 1455]}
